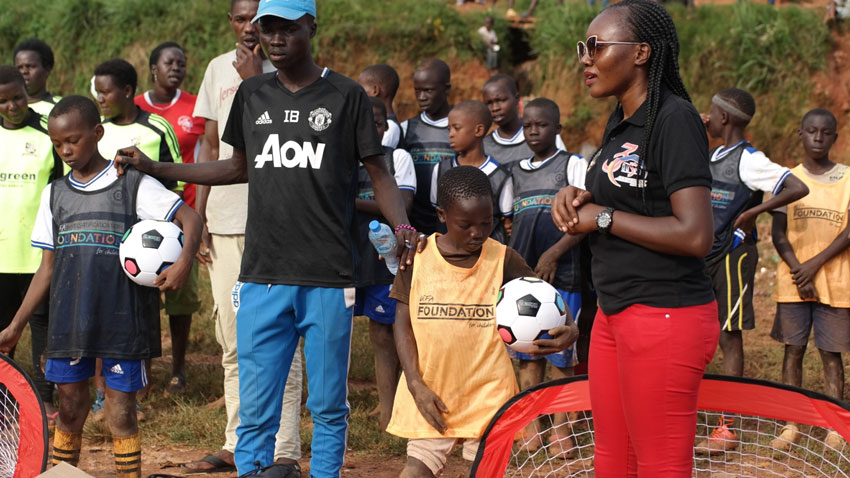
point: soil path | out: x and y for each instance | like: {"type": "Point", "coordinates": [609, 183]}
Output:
{"type": "Point", "coordinates": [98, 461]}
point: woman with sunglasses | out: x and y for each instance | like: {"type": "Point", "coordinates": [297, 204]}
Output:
{"type": "Point", "coordinates": [647, 208]}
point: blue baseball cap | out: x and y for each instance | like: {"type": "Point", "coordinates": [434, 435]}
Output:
{"type": "Point", "coordinates": [288, 9]}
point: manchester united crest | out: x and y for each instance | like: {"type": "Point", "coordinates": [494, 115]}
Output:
{"type": "Point", "coordinates": [320, 119]}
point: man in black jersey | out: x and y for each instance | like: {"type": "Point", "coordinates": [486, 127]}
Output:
{"type": "Point", "coordinates": [298, 135]}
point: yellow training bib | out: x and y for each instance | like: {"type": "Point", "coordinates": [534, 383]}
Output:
{"type": "Point", "coordinates": [460, 354]}
{"type": "Point", "coordinates": [813, 223]}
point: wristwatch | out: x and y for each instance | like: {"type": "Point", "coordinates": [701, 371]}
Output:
{"type": "Point", "coordinates": [604, 220]}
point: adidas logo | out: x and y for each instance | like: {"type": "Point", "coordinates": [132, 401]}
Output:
{"type": "Point", "coordinates": [380, 309]}
{"type": "Point", "coordinates": [116, 369]}
{"type": "Point", "coordinates": [264, 119]}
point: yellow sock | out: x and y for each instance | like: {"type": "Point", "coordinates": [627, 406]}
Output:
{"type": "Point", "coordinates": [66, 447]}
{"type": "Point", "coordinates": [128, 456]}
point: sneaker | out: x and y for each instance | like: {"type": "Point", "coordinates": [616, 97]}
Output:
{"type": "Point", "coordinates": [276, 470]}
{"type": "Point", "coordinates": [721, 440]}
{"type": "Point", "coordinates": [790, 434]}
{"type": "Point", "coordinates": [281, 471]}
{"type": "Point", "coordinates": [97, 410]}
{"type": "Point", "coordinates": [834, 440]}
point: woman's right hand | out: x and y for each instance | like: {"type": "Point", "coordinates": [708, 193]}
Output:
{"type": "Point", "coordinates": [564, 208]}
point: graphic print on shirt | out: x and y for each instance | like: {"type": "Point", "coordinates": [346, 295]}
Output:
{"type": "Point", "coordinates": [721, 198]}
{"type": "Point", "coordinates": [476, 315]}
{"type": "Point", "coordinates": [15, 178]}
{"type": "Point", "coordinates": [86, 232]}
{"type": "Point", "coordinates": [264, 119]}
{"type": "Point", "coordinates": [831, 215]}
{"type": "Point", "coordinates": [291, 154]}
{"type": "Point", "coordinates": [543, 200]}
{"type": "Point", "coordinates": [623, 167]}
{"type": "Point", "coordinates": [320, 119]}
{"type": "Point", "coordinates": [186, 123]}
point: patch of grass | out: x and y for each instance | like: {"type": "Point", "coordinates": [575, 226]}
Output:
{"type": "Point", "coordinates": [185, 421]}
{"type": "Point", "coordinates": [364, 434]}
{"type": "Point", "coordinates": [362, 354]}
{"type": "Point", "coordinates": [23, 351]}
{"type": "Point", "coordinates": [396, 29]}
{"type": "Point", "coordinates": [84, 33]}
{"type": "Point", "coordinates": [767, 51]}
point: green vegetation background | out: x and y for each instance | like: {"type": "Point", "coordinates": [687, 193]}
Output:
{"type": "Point", "coordinates": [770, 52]}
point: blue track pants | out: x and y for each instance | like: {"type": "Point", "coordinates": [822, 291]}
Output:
{"type": "Point", "coordinates": [270, 319]}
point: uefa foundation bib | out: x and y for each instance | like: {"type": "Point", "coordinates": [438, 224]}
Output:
{"type": "Point", "coordinates": [460, 355]}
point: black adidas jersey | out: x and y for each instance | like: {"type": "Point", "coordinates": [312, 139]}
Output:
{"type": "Point", "coordinates": [302, 150]}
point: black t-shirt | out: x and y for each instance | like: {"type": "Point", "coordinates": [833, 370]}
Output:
{"type": "Point", "coordinates": [625, 273]}
{"type": "Point", "coordinates": [302, 150]}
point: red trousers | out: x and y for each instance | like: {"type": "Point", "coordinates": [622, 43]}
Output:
{"type": "Point", "coordinates": [645, 368]}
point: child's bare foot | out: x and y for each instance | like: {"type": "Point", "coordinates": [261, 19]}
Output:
{"type": "Point", "coordinates": [530, 440]}
{"type": "Point", "coordinates": [561, 446]}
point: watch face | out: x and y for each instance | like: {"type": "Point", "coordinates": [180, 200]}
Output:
{"type": "Point", "coordinates": [603, 221]}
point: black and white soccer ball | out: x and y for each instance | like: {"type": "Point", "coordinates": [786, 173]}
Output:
{"type": "Point", "coordinates": [526, 309]}
{"type": "Point", "coordinates": [148, 248]}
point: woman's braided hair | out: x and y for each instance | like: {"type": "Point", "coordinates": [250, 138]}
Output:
{"type": "Point", "coordinates": [649, 22]}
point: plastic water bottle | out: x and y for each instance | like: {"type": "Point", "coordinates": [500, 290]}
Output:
{"type": "Point", "coordinates": [383, 239]}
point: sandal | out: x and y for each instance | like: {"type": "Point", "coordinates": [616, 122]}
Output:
{"type": "Point", "coordinates": [219, 466]}
{"type": "Point", "coordinates": [176, 386]}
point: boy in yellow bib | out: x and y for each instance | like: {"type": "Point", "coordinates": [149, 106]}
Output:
{"type": "Point", "coordinates": [813, 280]}
{"type": "Point", "coordinates": [456, 369]}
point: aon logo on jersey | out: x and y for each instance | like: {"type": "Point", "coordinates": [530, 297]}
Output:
{"type": "Point", "coordinates": [290, 154]}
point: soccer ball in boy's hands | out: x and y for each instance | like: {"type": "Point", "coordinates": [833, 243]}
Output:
{"type": "Point", "coordinates": [527, 308]}
{"type": "Point", "coordinates": [148, 248]}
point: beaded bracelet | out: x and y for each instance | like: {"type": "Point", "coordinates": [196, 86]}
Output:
{"type": "Point", "coordinates": [404, 226]}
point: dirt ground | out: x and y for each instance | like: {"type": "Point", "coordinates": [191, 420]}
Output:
{"type": "Point", "coordinates": [98, 462]}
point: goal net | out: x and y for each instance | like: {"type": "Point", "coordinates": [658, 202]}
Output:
{"type": "Point", "coordinates": [769, 430]}
{"type": "Point", "coordinates": [23, 425]}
